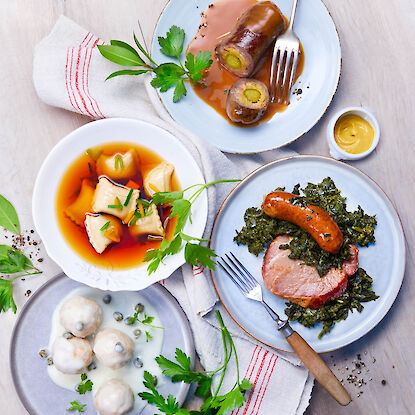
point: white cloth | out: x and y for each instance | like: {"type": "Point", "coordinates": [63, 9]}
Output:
{"type": "Point", "coordinates": [69, 73]}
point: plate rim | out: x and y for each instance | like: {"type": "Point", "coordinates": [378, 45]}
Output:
{"type": "Point", "coordinates": [340, 69]}
{"type": "Point", "coordinates": [36, 215]}
{"type": "Point", "coordinates": [310, 157]}
{"type": "Point", "coordinates": [24, 399]}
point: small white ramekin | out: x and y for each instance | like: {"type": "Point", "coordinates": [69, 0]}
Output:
{"type": "Point", "coordinates": [337, 152]}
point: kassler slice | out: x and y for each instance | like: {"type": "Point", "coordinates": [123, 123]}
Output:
{"type": "Point", "coordinates": [292, 280]}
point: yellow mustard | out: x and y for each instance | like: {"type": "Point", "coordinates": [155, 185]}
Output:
{"type": "Point", "coordinates": [353, 134]}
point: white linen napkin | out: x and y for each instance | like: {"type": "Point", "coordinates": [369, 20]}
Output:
{"type": "Point", "coordinates": [69, 73]}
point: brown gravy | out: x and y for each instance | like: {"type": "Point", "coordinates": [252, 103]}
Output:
{"type": "Point", "coordinates": [218, 20]}
{"type": "Point", "coordinates": [130, 251]}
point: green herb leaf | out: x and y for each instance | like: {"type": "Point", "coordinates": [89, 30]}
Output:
{"type": "Point", "coordinates": [148, 336]}
{"type": "Point", "coordinates": [125, 45]}
{"type": "Point", "coordinates": [85, 385]}
{"type": "Point", "coordinates": [179, 91]}
{"type": "Point", "coordinates": [120, 55]}
{"type": "Point", "coordinates": [145, 53]}
{"type": "Point", "coordinates": [167, 76]}
{"type": "Point", "coordinates": [195, 254]}
{"type": "Point", "coordinates": [8, 216]}
{"type": "Point", "coordinates": [228, 402]}
{"type": "Point", "coordinates": [172, 44]}
{"type": "Point", "coordinates": [6, 296]}
{"type": "Point", "coordinates": [127, 201]}
{"type": "Point", "coordinates": [160, 198]}
{"type": "Point", "coordinates": [12, 260]}
{"type": "Point", "coordinates": [180, 208]}
{"type": "Point", "coordinates": [196, 65]}
{"type": "Point", "coordinates": [127, 72]}
{"type": "Point", "coordinates": [76, 406]}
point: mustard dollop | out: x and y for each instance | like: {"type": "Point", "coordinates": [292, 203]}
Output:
{"type": "Point", "coordinates": [353, 134]}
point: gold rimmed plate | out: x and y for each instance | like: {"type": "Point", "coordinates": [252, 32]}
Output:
{"type": "Point", "coordinates": [383, 261]}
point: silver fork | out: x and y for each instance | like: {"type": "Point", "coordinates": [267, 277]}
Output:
{"type": "Point", "coordinates": [286, 49]}
{"type": "Point", "coordinates": [251, 289]}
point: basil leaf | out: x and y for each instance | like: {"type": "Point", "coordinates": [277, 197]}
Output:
{"type": "Point", "coordinates": [8, 216]}
{"type": "Point", "coordinates": [120, 55]}
{"type": "Point", "coordinates": [127, 72]}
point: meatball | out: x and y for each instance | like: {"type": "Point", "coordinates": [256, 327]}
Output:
{"type": "Point", "coordinates": [247, 101]}
{"type": "Point", "coordinates": [80, 316]}
{"type": "Point", "coordinates": [114, 397]}
{"type": "Point", "coordinates": [72, 355]}
{"type": "Point", "coordinates": [113, 348]}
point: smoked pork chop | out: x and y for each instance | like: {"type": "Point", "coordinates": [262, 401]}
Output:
{"type": "Point", "coordinates": [292, 280]}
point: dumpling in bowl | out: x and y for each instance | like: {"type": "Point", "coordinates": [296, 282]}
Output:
{"type": "Point", "coordinates": [72, 355]}
{"type": "Point", "coordinates": [111, 198]}
{"type": "Point", "coordinates": [159, 179]}
{"type": "Point", "coordinates": [83, 203]}
{"type": "Point", "coordinates": [81, 316]}
{"type": "Point", "coordinates": [150, 224]}
{"type": "Point", "coordinates": [102, 230]}
{"type": "Point", "coordinates": [118, 166]}
{"type": "Point", "coordinates": [114, 397]}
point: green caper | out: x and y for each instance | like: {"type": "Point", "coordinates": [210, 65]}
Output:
{"type": "Point", "coordinates": [139, 307]}
{"type": "Point", "coordinates": [137, 333]}
{"type": "Point", "coordinates": [118, 316]}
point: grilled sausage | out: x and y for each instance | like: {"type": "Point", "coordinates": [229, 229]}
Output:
{"type": "Point", "coordinates": [240, 51]}
{"type": "Point", "coordinates": [247, 101]}
{"type": "Point", "coordinates": [313, 219]}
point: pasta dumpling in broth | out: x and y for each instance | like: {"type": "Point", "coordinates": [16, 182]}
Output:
{"type": "Point", "coordinates": [102, 230]}
{"type": "Point", "coordinates": [149, 224]}
{"type": "Point", "coordinates": [159, 179]}
{"type": "Point", "coordinates": [83, 203]}
{"type": "Point", "coordinates": [119, 165]}
{"type": "Point", "coordinates": [111, 198]}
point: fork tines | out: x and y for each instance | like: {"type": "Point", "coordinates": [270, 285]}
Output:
{"type": "Point", "coordinates": [238, 273]}
{"type": "Point", "coordinates": [283, 70]}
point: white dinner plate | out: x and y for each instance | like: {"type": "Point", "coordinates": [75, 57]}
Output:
{"type": "Point", "coordinates": [319, 80]}
{"type": "Point", "coordinates": [383, 261]}
{"type": "Point", "coordinates": [62, 156]}
{"type": "Point", "coordinates": [31, 333]}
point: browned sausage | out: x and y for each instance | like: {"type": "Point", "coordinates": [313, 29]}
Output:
{"type": "Point", "coordinates": [240, 51]}
{"type": "Point", "coordinates": [247, 101]}
{"type": "Point", "coordinates": [313, 219]}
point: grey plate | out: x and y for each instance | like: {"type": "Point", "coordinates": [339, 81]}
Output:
{"type": "Point", "coordinates": [384, 261]}
{"type": "Point", "coordinates": [31, 333]}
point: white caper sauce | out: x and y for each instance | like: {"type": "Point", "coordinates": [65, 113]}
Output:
{"type": "Point", "coordinates": [122, 302]}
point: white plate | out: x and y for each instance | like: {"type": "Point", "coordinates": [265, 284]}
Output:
{"type": "Point", "coordinates": [384, 261]}
{"type": "Point", "coordinates": [57, 162]}
{"type": "Point", "coordinates": [321, 74]}
{"type": "Point", "coordinates": [31, 333]}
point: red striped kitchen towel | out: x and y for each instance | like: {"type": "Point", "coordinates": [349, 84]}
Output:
{"type": "Point", "coordinates": [69, 73]}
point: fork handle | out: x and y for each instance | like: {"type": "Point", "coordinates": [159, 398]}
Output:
{"type": "Point", "coordinates": [319, 369]}
{"type": "Point", "coordinates": [293, 10]}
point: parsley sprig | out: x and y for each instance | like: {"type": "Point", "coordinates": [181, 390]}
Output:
{"type": "Point", "coordinates": [181, 371]}
{"type": "Point", "coordinates": [76, 406]}
{"type": "Point", "coordinates": [194, 253]}
{"type": "Point", "coordinates": [167, 75]}
{"type": "Point", "coordinates": [85, 385]}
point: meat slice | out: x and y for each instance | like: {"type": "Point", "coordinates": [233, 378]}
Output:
{"type": "Point", "coordinates": [292, 280]}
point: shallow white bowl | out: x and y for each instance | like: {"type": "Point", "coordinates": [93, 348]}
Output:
{"type": "Point", "coordinates": [337, 152]}
{"type": "Point", "coordinates": [56, 164]}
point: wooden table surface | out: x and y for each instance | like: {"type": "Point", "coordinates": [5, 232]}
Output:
{"type": "Point", "coordinates": [378, 72]}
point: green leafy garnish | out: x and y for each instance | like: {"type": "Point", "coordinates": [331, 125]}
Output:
{"type": "Point", "coordinates": [76, 406]}
{"type": "Point", "coordinates": [127, 201]}
{"type": "Point", "coordinates": [195, 254]}
{"type": "Point", "coordinates": [6, 296]}
{"type": "Point", "coordinates": [166, 75]}
{"type": "Point", "coordinates": [8, 216]}
{"type": "Point", "coordinates": [85, 385]}
{"type": "Point", "coordinates": [148, 336]}
{"type": "Point", "coordinates": [118, 161]}
{"type": "Point", "coordinates": [181, 371]}
{"type": "Point", "coordinates": [105, 226]}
